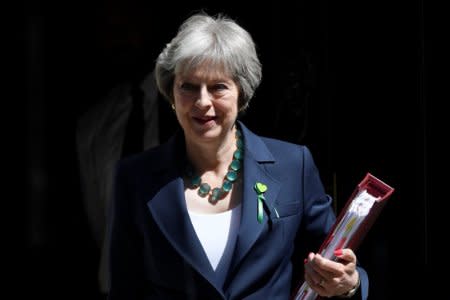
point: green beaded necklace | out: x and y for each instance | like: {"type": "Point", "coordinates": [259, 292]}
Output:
{"type": "Point", "coordinates": [204, 189]}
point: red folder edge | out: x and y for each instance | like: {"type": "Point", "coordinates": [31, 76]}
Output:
{"type": "Point", "coordinates": [376, 188]}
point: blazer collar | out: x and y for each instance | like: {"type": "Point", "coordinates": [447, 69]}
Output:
{"type": "Point", "coordinates": [168, 206]}
{"type": "Point", "coordinates": [256, 156]}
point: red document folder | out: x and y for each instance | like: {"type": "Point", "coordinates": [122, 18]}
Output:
{"type": "Point", "coordinates": [376, 188]}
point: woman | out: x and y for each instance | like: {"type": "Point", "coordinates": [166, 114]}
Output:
{"type": "Point", "coordinates": [218, 212]}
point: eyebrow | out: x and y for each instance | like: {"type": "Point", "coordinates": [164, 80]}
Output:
{"type": "Point", "coordinates": [195, 80]}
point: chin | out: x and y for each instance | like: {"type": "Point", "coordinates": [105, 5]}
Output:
{"type": "Point", "coordinates": [209, 133]}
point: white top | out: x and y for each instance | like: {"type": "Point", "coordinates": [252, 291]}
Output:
{"type": "Point", "coordinates": [215, 230]}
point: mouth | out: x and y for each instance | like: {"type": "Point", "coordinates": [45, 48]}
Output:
{"type": "Point", "coordinates": [205, 120]}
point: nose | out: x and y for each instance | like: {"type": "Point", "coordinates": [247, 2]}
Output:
{"type": "Point", "coordinates": [204, 97]}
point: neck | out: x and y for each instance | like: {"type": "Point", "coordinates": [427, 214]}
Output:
{"type": "Point", "coordinates": [212, 170]}
{"type": "Point", "coordinates": [212, 156]}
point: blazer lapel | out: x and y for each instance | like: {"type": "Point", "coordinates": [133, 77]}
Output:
{"type": "Point", "coordinates": [256, 154]}
{"type": "Point", "coordinates": [168, 208]}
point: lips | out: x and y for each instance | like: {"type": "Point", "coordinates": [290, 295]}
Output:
{"type": "Point", "coordinates": [205, 119]}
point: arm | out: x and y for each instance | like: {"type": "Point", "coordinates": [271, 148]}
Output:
{"type": "Point", "coordinates": [339, 277]}
{"type": "Point", "coordinates": [125, 247]}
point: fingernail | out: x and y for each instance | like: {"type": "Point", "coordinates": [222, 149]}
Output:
{"type": "Point", "coordinates": [338, 252]}
{"type": "Point", "coordinates": [305, 260]}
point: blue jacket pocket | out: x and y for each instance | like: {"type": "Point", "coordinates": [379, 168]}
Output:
{"type": "Point", "coordinates": [283, 210]}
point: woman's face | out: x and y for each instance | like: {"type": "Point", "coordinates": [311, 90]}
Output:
{"type": "Point", "coordinates": [206, 104]}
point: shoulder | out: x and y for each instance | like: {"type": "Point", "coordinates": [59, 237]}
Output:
{"type": "Point", "coordinates": [262, 146]}
{"type": "Point", "coordinates": [150, 159]}
{"type": "Point", "coordinates": [279, 156]}
{"type": "Point", "coordinates": [288, 156]}
{"type": "Point", "coordinates": [276, 145]}
{"type": "Point", "coordinates": [161, 158]}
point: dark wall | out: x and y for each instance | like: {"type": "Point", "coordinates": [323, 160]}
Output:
{"type": "Point", "coordinates": [348, 81]}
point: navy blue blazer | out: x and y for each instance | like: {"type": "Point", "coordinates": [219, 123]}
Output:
{"type": "Point", "coordinates": [155, 252]}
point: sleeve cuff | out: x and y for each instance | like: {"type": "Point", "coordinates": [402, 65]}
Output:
{"type": "Point", "coordinates": [353, 291]}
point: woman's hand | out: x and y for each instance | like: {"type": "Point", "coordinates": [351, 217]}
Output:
{"type": "Point", "coordinates": [332, 278]}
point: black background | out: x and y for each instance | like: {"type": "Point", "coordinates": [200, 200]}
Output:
{"type": "Point", "coordinates": [351, 81]}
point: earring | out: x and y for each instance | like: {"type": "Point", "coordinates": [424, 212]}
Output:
{"type": "Point", "coordinates": [173, 106]}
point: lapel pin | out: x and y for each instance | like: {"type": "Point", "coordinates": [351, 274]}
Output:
{"type": "Point", "coordinates": [260, 189]}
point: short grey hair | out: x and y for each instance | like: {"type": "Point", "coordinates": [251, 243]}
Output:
{"type": "Point", "coordinates": [220, 42]}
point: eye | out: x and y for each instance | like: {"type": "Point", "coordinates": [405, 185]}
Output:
{"type": "Point", "coordinates": [219, 87]}
{"type": "Point", "coordinates": [188, 87]}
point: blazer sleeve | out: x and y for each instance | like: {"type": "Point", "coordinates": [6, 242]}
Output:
{"type": "Point", "coordinates": [126, 271]}
{"type": "Point", "coordinates": [319, 217]}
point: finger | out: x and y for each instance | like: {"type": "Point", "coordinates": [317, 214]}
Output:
{"type": "Point", "coordinates": [315, 285]}
{"type": "Point", "coordinates": [310, 280]}
{"type": "Point", "coordinates": [345, 255]}
{"type": "Point", "coordinates": [310, 271]}
{"type": "Point", "coordinates": [326, 267]}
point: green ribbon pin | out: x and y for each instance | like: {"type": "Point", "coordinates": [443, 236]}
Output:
{"type": "Point", "coordinates": [260, 189]}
